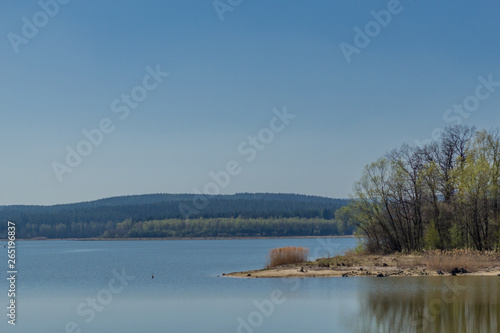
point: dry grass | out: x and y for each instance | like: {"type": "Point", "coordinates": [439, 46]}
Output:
{"type": "Point", "coordinates": [409, 261]}
{"type": "Point", "coordinates": [472, 261]}
{"type": "Point", "coordinates": [287, 255]}
{"type": "Point", "coordinates": [348, 259]}
{"type": "Point", "coordinates": [446, 261]}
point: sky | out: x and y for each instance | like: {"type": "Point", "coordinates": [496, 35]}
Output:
{"type": "Point", "coordinates": [121, 97]}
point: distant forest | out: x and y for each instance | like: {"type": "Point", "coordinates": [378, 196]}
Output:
{"type": "Point", "coordinates": [229, 227]}
{"type": "Point", "coordinates": [180, 215]}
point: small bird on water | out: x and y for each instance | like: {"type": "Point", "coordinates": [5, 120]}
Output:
{"type": "Point", "coordinates": [152, 276]}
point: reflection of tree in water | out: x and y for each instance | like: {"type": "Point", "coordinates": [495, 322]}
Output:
{"type": "Point", "coordinates": [462, 304]}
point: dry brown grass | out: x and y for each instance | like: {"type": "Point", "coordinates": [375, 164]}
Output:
{"type": "Point", "coordinates": [472, 261]}
{"type": "Point", "coordinates": [408, 261]}
{"type": "Point", "coordinates": [348, 259]}
{"type": "Point", "coordinates": [287, 255]}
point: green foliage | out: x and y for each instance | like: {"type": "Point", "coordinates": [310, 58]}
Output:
{"type": "Point", "coordinates": [456, 235]}
{"type": "Point", "coordinates": [432, 240]}
{"type": "Point", "coordinates": [440, 196]}
{"type": "Point", "coordinates": [360, 248]}
{"type": "Point", "coordinates": [343, 218]}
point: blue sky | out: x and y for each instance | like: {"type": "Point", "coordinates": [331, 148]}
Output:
{"type": "Point", "coordinates": [225, 79]}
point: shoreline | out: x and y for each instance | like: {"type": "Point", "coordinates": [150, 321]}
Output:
{"type": "Point", "coordinates": [324, 273]}
{"type": "Point", "coordinates": [371, 266]}
{"type": "Point", "coordinates": [176, 238]}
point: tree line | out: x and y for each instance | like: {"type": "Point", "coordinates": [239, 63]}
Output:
{"type": "Point", "coordinates": [228, 227]}
{"type": "Point", "coordinates": [179, 228]}
{"type": "Point", "coordinates": [443, 195]}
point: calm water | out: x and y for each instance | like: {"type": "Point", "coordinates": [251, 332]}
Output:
{"type": "Point", "coordinates": [71, 286]}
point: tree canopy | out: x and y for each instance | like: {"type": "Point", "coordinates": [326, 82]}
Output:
{"type": "Point", "coordinates": [443, 195]}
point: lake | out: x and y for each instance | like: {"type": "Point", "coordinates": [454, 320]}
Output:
{"type": "Point", "coordinates": [107, 286]}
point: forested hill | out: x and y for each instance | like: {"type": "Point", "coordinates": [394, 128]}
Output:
{"type": "Point", "coordinates": [93, 218]}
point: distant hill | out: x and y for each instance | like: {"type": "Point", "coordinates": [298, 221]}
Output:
{"type": "Point", "coordinates": [93, 218]}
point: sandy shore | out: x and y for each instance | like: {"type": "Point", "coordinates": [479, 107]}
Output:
{"type": "Point", "coordinates": [385, 266]}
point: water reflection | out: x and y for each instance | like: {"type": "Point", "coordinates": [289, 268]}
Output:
{"type": "Point", "coordinates": [455, 304]}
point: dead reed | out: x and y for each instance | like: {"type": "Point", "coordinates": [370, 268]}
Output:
{"type": "Point", "coordinates": [287, 255]}
{"type": "Point", "coordinates": [470, 260]}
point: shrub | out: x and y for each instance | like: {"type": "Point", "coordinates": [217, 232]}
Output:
{"type": "Point", "coordinates": [287, 255]}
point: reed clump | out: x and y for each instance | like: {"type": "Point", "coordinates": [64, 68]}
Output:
{"type": "Point", "coordinates": [287, 255]}
{"type": "Point", "coordinates": [471, 260]}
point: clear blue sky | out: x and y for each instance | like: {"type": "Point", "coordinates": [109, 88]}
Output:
{"type": "Point", "coordinates": [226, 77]}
